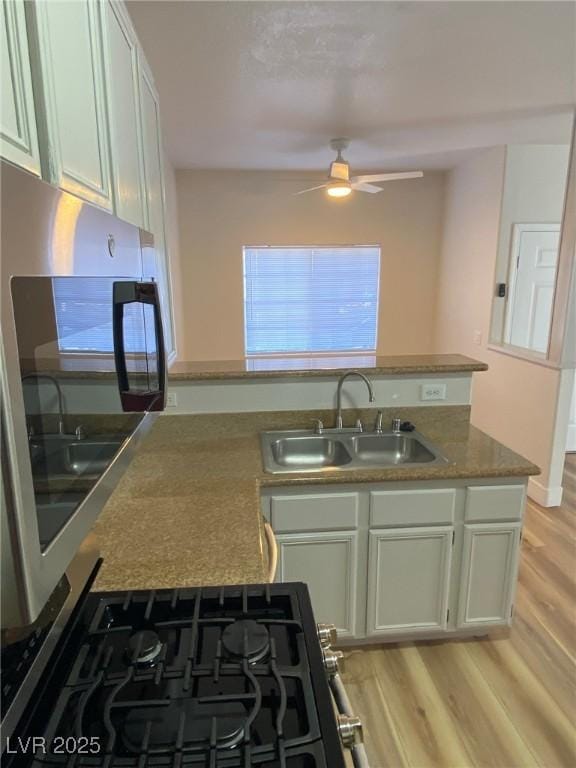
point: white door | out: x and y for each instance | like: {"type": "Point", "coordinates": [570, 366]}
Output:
{"type": "Point", "coordinates": [121, 60]}
{"type": "Point", "coordinates": [534, 256]}
{"type": "Point", "coordinates": [408, 580]}
{"type": "Point", "coordinates": [327, 563]}
{"type": "Point", "coordinates": [488, 575]}
{"type": "Point", "coordinates": [19, 140]}
{"type": "Point", "coordinates": [73, 79]}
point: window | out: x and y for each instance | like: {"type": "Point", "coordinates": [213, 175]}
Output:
{"type": "Point", "coordinates": [310, 299]}
{"type": "Point", "coordinates": [83, 308]}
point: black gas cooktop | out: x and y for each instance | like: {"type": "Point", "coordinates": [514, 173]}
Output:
{"type": "Point", "coordinates": [216, 677]}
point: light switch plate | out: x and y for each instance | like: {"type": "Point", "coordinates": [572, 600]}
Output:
{"type": "Point", "coordinates": [433, 392]}
{"type": "Point", "coordinates": [171, 400]}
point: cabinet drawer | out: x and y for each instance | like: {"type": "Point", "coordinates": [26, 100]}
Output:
{"type": "Point", "coordinates": [311, 512]}
{"type": "Point", "coordinates": [412, 507]}
{"type": "Point", "coordinates": [494, 502]}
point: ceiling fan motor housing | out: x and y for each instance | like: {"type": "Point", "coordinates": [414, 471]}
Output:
{"type": "Point", "coordinates": [340, 170]}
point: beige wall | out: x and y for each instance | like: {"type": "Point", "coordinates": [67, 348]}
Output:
{"type": "Point", "coordinates": [534, 188]}
{"type": "Point", "coordinates": [219, 212]}
{"type": "Point", "coordinates": [515, 401]}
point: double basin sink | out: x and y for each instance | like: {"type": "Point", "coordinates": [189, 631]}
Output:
{"type": "Point", "coordinates": [306, 451]}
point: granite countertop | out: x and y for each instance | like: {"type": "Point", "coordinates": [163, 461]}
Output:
{"type": "Point", "coordinates": [257, 368]}
{"type": "Point", "coordinates": [100, 367]}
{"type": "Point", "coordinates": [187, 511]}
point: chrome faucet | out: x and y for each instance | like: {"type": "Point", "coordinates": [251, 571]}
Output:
{"type": "Point", "coordinates": [59, 392]}
{"type": "Point", "coordinates": [341, 381]}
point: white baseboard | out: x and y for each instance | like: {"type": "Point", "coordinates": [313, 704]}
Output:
{"type": "Point", "coordinates": [543, 495]}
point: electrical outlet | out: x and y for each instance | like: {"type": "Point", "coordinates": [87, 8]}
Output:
{"type": "Point", "coordinates": [171, 400]}
{"type": "Point", "coordinates": [433, 392]}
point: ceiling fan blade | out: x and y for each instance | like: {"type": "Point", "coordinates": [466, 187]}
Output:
{"type": "Point", "coordinates": [362, 187]}
{"type": "Point", "coordinates": [386, 177]}
{"type": "Point", "coordinates": [310, 189]}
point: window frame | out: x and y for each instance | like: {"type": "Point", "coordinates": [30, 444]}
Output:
{"type": "Point", "coordinates": [324, 353]}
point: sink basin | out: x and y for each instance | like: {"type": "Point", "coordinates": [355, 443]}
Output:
{"type": "Point", "coordinates": [391, 449]}
{"type": "Point", "coordinates": [61, 455]}
{"type": "Point", "coordinates": [307, 452]}
{"type": "Point", "coordinates": [90, 456]}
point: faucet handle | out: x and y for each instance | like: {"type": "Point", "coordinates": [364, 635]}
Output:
{"type": "Point", "coordinates": [359, 426]}
{"type": "Point", "coordinates": [378, 423]}
{"type": "Point", "coordinates": [319, 427]}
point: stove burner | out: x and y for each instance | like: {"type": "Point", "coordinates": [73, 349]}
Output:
{"type": "Point", "coordinates": [146, 645]}
{"type": "Point", "coordinates": [246, 638]}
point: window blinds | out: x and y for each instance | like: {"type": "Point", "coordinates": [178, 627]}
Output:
{"type": "Point", "coordinates": [304, 299]}
{"type": "Point", "coordinates": [83, 308]}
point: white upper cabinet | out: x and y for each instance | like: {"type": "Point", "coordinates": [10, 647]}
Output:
{"type": "Point", "coordinates": [154, 183]}
{"type": "Point", "coordinates": [70, 48]}
{"type": "Point", "coordinates": [152, 155]}
{"type": "Point", "coordinates": [121, 68]}
{"type": "Point", "coordinates": [19, 140]}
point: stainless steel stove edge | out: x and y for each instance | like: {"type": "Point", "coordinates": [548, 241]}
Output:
{"type": "Point", "coordinates": [77, 576]}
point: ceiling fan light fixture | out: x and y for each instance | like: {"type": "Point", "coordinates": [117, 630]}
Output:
{"type": "Point", "coordinates": [338, 188]}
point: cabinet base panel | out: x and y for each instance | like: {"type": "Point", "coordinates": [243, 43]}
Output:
{"type": "Point", "coordinates": [494, 631]}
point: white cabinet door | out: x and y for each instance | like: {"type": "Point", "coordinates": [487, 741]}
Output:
{"type": "Point", "coordinates": [408, 580]}
{"type": "Point", "coordinates": [154, 183]}
{"type": "Point", "coordinates": [72, 74]}
{"type": "Point", "coordinates": [327, 563]}
{"type": "Point", "coordinates": [19, 140]}
{"type": "Point", "coordinates": [121, 66]}
{"type": "Point", "coordinates": [488, 576]}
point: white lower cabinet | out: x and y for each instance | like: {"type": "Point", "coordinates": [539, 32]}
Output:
{"type": "Point", "coordinates": [328, 563]}
{"type": "Point", "coordinates": [408, 579]}
{"type": "Point", "coordinates": [488, 574]}
{"type": "Point", "coordinates": [402, 560]}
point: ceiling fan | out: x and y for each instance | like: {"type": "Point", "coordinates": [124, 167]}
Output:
{"type": "Point", "coordinates": [341, 184]}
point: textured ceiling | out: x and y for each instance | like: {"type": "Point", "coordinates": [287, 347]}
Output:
{"type": "Point", "coordinates": [265, 85]}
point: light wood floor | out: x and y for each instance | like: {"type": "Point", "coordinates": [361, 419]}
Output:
{"type": "Point", "coordinates": [508, 701]}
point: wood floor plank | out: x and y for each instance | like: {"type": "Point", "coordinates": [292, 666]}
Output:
{"type": "Point", "coordinates": [507, 701]}
{"type": "Point", "coordinates": [547, 659]}
{"type": "Point", "coordinates": [536, 717]}
{"type": "Point", "coordinates": [364, 687]}
{"type": "Point", "coordinates": [474, 707]}
{"type": "Point", "coordinates": [425, 727]}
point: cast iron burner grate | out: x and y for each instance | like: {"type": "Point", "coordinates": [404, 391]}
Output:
{"type": "Point", "coordinates": [216, 677]}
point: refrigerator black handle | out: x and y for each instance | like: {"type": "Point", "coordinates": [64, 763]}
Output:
{"type": "Point", "coordinates": [130, 292]}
